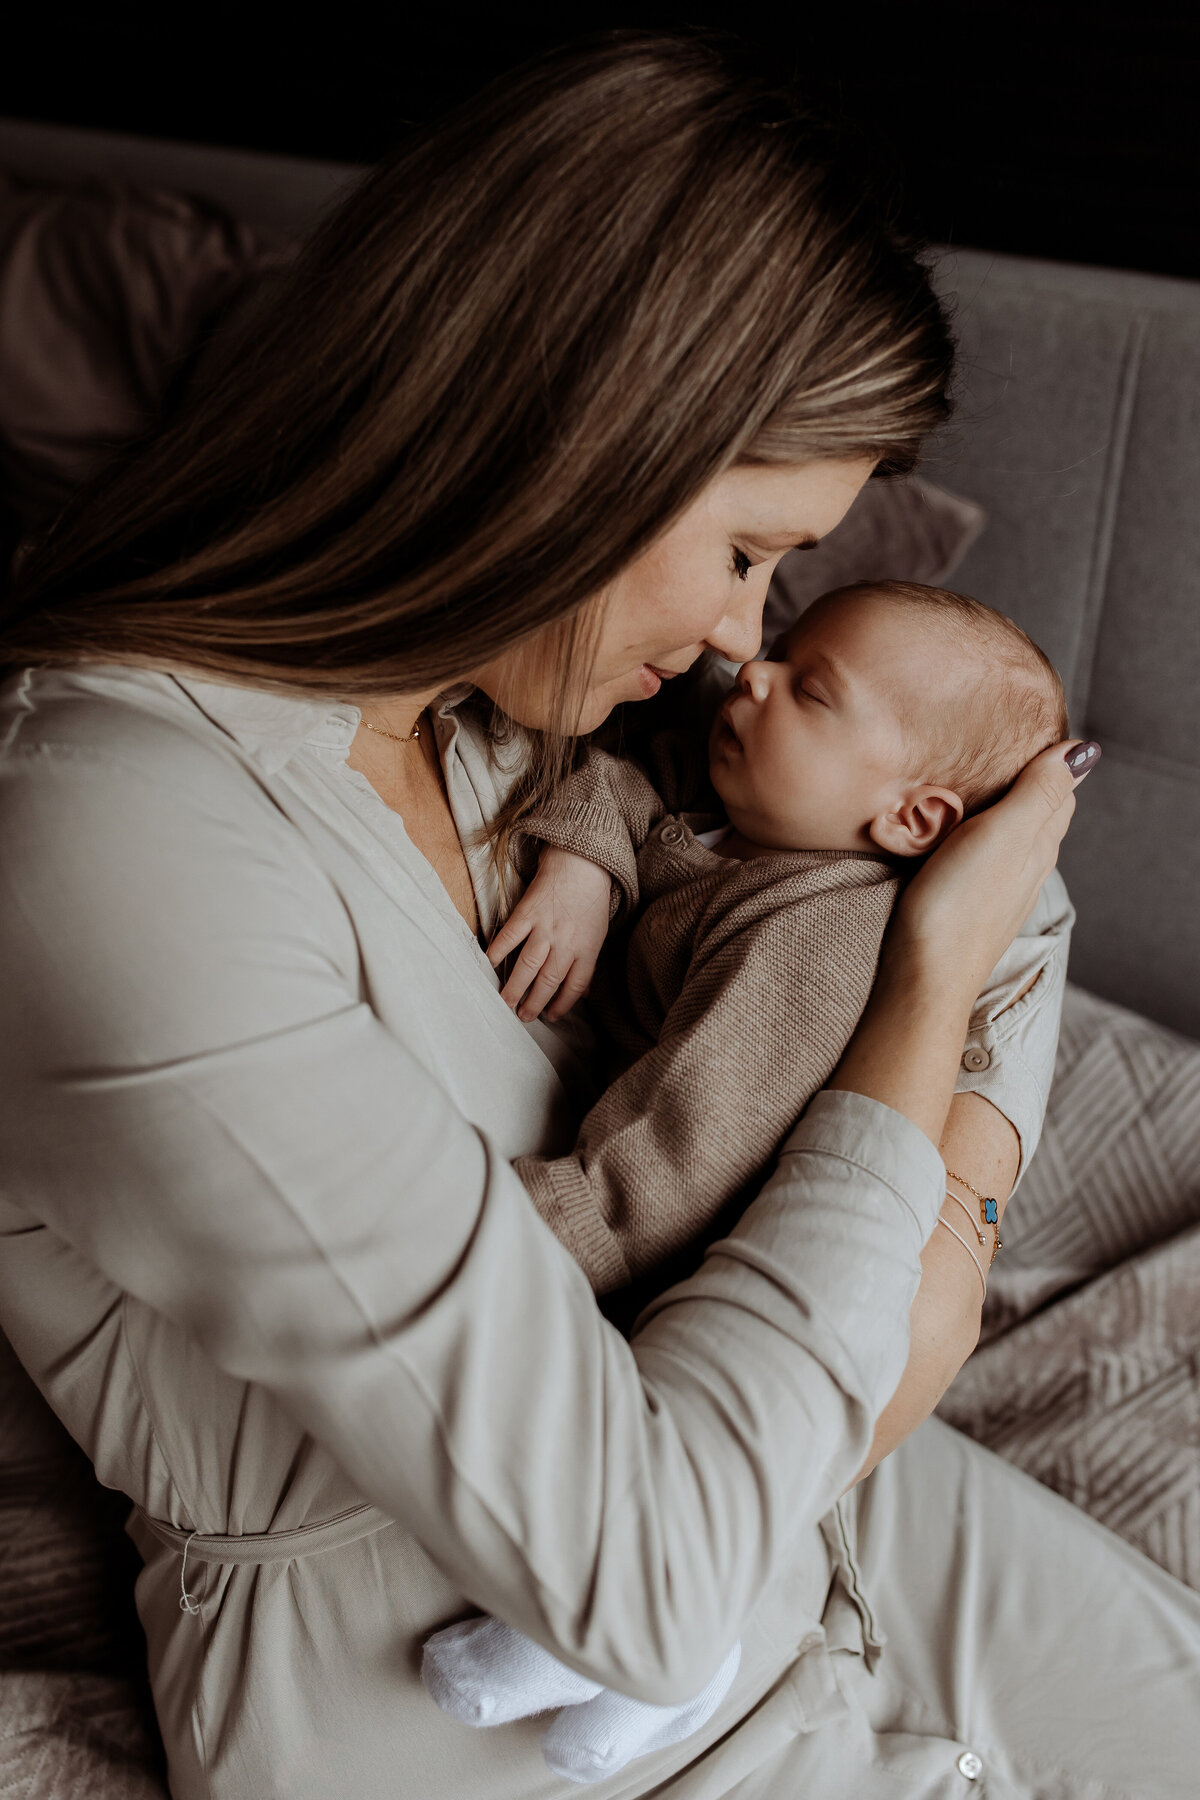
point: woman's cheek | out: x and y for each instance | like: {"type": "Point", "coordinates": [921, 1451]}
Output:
{"type": "Point", "coordinates": [680, 615]}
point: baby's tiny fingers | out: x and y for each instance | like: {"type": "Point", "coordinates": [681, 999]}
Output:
{"type": "Point", "coordinates": [572, 989]}
{"type": "Point", "coordinates": [514, 988]}
{"type": "Point", "coordinates": [515, 929]}
{"type": "Point", "coordinates": [543, 990]}
{"type": "Point", "coordinates": [526, 967]}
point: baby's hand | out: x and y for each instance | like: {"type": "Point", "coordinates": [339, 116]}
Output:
{"type": "Point", "coordinates": [562, 919]}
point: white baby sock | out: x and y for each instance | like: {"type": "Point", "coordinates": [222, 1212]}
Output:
{"type": "Point", "coordinates": [591, 1741]}
{"type": "Point", "coordinates": [485, 1673]}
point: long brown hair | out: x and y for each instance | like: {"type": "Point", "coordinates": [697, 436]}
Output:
{"type": "Point", "coordinates": [494, 375]}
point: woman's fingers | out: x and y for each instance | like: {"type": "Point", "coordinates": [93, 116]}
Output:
{"type": "Point", "coordinates": [1049, 782]}
{"type": "Point", "coordinates": [1081, 757]}
{"type": "Point", "coordinates": [1052, 775]}
{"type": "Point", "coordinates": [964, 907]}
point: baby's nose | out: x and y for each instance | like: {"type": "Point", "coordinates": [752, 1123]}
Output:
{"type": "Point", "coordinates": [754, 678]}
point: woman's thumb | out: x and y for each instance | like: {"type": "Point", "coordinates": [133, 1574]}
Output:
{"type": "Point", "coordinates": [1056, 772]}
{"type": "Point", "coordinates": [1081, 757]}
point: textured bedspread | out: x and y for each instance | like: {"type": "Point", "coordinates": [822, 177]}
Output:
{"type": "Point", "coordinates": [1088, 1373]}
{"type": "Point", "coordinates": [1087, 1377]}
{"type": "Point", "coordinates": [76, 1721]}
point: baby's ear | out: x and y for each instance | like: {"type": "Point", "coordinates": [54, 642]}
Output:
{"type": "Point", "coordinates": [920, 820]}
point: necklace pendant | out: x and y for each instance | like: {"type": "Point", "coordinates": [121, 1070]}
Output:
{"type": "Point", "coordinates": [397, 737]}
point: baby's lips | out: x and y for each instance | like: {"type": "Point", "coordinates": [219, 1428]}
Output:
{"type": "Point", "coordinates": [1082, 758]}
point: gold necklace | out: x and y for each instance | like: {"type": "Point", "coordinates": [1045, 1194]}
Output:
{"type": "Point", "coordinates": [397, 737]}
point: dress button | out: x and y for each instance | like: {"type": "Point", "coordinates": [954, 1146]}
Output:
{"type": "Point", "coordinates": [673, 832]}
{"type": "Point", "coordinates": [975, 1058]}
{"type": "Point", "coordinates": [970, 1765]}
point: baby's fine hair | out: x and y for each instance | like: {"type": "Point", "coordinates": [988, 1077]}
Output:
{"type": "Point", "coordinates": [977, 741]}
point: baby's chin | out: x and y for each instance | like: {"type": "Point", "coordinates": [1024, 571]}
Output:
{"type": "Point", "coordinates": [761, 829]}
{"type": "Point", "coordinates": [769, 832]}
{"type": "Point", "coordinates": [758, 825]}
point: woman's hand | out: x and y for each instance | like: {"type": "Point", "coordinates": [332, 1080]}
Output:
{"type": "Point", "coordinates": [954, 922]}
{"type": "Point", "coordinates": [963, 909]}
{"type": "Point", "coordinates": [562, 921]}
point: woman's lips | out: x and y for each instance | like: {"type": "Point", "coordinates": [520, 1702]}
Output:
{"type": "Point", "coordinates": [651, 677]}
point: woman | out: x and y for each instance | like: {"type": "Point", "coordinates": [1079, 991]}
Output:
{"type": "Point", "coordinates": [539, 409]}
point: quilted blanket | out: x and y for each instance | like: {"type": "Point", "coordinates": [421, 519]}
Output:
{"type": "Point", "coordinates": [76, 1720]}
{"type": "Point", "coordinates": [1088, 1370]}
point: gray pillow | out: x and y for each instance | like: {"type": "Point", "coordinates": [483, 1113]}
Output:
{"type": "Point", "coordinates": [108, 294]}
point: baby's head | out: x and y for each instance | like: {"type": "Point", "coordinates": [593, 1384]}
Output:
{"type": "Point", "coordinates": [885, 715]}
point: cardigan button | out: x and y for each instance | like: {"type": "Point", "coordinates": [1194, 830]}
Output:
{"type": "Point", "coordinates": [673, 832]}
{"type": "Point", "coordinates": [976, 1058]}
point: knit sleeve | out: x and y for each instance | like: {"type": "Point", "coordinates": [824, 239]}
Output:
{"type": "Point", "coordinates": [602, 811]}
{"type": "Point", "coordinates": [771, 998]}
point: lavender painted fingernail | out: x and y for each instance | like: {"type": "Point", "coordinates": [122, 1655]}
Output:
{"type": "Point", "coordinates": [1084, 757]}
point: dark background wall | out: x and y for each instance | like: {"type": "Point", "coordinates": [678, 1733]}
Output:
{"type": "Point", "coordinates": [1036, 126]}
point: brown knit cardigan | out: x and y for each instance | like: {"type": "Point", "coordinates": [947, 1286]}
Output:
{"type": "Point", "coordinates": [740, 987]}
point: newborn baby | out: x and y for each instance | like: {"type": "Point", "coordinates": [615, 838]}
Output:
{"type": "Point", "coordinates": [757, 880]}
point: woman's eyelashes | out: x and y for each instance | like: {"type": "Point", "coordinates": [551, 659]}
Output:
{"type": "Point", "coordinates": [742, 564]}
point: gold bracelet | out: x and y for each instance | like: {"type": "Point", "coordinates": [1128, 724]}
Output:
{"type": "Point", "coordinates": [962, 1240]}
{"type": "Point", "coordinates": [989, 1210]}
{"type": "Point", "coordinates": [975, 1227]}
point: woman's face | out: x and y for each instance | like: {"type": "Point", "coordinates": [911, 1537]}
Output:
{"type": "Point", "coordinates": [701, 585]}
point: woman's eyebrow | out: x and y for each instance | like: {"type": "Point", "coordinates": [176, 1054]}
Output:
{"type": "Point", "coordinates": [783, 540]}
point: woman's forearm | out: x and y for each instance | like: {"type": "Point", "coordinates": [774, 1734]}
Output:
{"type": "Point", "coordinates": [906, 1049]}
{"type": "Point", "coordinates": [980, 1144]}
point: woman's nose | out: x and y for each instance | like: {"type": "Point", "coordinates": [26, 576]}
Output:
{"type": "Point", "coordinates": [739, 633]}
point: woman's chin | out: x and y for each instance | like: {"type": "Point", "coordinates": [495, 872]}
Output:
{"type": "Point", "coordinates": [600, 702]}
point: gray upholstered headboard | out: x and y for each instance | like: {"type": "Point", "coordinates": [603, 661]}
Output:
{"type": "Point", "coordinates": [1079, 430]}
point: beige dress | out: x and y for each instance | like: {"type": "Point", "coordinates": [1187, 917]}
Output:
{"type": "Point", "coordinates": [262, 1249]}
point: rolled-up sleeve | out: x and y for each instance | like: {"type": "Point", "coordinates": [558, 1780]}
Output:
{"type": "Point", "coordinates": [200, 1100]}
{"type": "Point", "coordinates": [1011, 1043]}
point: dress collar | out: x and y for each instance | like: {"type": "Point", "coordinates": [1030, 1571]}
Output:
{"type": "Point", "coordinates": [273, 727]}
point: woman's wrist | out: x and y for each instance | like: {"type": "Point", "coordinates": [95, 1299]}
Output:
{"type": "Point", "coordinates": [906, 1049]}
{"type": "Point", "coordinates": [934, 961]}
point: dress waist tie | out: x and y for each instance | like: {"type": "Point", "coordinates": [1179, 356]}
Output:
{"type": "Point", "coordinates": [269, 1546]}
